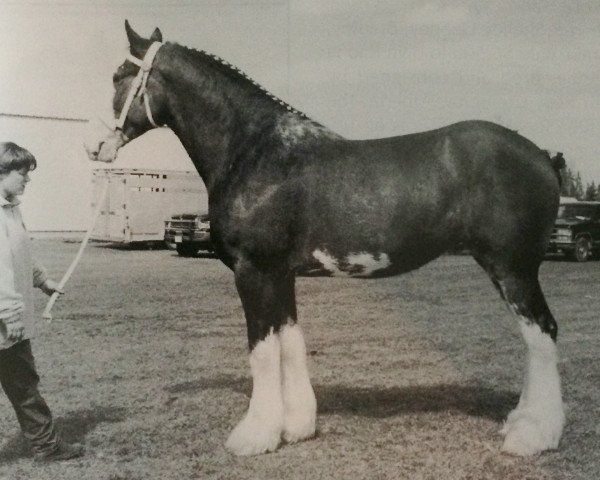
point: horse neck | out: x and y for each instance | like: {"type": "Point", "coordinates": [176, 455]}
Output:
{"type": "Point", "coordinates": [220, 117]}
{"type": "Point", "coordinates": [214, 113]}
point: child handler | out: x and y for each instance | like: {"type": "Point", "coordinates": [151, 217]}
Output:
{"type": "Point", "coordinates": [19, 273]}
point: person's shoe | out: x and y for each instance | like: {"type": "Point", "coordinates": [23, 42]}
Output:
{"type": "Point", "coordinates": [65, 451]}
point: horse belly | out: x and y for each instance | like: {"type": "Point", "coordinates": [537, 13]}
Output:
{"type": "Point", "coordinates": [383, 238]}
{"type": "Point", "coordinates": [398, 247]}
{"type": "Point", "coordinates": [358, 264]}
{"type": "Point", "coordinates": [374, 263]}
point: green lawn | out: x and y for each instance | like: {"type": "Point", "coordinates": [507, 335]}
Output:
{"type": "Point", "coordinates": [146, 363]}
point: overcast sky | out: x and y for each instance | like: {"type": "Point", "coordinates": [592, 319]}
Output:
{"type": "Point", "coordinates": [365, 69]}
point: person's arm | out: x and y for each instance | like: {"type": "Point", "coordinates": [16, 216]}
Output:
{"type": "Point", "coordinates": [39, 274]}
{"type": "Point", "coordinates": [11, 302]}
{"type": "Point", "coordinates": [41, 280]}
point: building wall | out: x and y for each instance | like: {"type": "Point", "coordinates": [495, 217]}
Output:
{"type": "Point", "coordinates": [60, 193]}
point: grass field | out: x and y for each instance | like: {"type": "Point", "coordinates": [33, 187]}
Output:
{"type": "Point", "coordinates": [146, 363]}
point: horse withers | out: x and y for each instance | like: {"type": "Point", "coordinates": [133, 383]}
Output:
{"type": "Point", "coordinates": [286, 192]}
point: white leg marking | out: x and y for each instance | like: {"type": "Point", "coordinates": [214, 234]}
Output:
{"type": "Point", "coordinates": [260, 430]}
{"type": "Point", "coordinates": [537, 422]}
{"type": "Point", "coordinates": [299, 402]}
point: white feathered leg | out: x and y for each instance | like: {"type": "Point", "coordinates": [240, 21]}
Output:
{"type": "Point", "coordinates": [299, 402]}
{"type": "Point", "coordinates": [537, 422]}
{"type": "Point", "coordinates": [260, 430]}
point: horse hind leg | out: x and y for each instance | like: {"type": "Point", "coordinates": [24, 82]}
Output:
{"type": "Point", "coordinates": [537, 422]}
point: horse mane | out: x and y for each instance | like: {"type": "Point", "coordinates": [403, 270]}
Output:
{"type": "Point", "coordinates": [235, 73]}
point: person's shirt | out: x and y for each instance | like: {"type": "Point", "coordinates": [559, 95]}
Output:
{"type": "Point", "coordinates": [19, 273]}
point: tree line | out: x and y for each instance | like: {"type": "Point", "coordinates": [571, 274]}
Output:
{"type": "Point", "coordinates": [572, 186]}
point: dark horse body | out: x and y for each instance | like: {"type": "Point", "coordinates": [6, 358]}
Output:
{"type": "Point", "coordinates": [286, 192]}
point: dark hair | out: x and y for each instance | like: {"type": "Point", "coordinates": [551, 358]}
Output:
{"type": "Point", "coordinates": [13, 157]}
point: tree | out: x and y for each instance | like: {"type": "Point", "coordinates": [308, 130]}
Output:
{"type": "Point", "coordinates": [578, 187]}
{"type": "Point", "coordinates": [572, 186]}
{"type": "Point", "coordinates": [567, 182]}
{"type": "Point", "coordinates": [591, 191]}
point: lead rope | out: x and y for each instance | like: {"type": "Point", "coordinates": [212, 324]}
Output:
{"type": "Point", "coordinates": [46, 314]}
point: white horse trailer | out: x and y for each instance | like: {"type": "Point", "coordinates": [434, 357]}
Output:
{"type": "Point", "coordinates": [139, 201]}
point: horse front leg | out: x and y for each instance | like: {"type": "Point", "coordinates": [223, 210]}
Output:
{"type": "Point", "coordinates": [299, 402]}
{"type": "Point", "coordinates": [265, 298]}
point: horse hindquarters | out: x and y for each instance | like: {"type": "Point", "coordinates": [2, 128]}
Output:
{"type": "Point", "coordinates": [509, 242]}
{"type": "Point", "coordinates": [282, 402]}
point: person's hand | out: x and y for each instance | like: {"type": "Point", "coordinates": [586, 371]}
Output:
{"type": "Point", "coordinates": [50, 286]}
{"type": "Point", "coordinates": [14, 329]}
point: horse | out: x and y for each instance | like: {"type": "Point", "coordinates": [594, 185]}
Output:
{"type": "Point", "coordinates": [286, 192]}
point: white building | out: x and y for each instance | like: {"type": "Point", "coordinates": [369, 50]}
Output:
{"type": "Point", "coordinates": [59, 196]}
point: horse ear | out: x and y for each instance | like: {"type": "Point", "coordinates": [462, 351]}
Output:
{"type": "Point", "coordinates": [137, 44]}
{"type": "Point", "coordinates": [156, 35]}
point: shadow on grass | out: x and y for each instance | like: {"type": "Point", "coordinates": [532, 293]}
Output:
{"type": "Point", "coordinates": [380, 402]}
{"type": "Point", "coordinates": [132, 246]}
{"type": "Point", "coordinates": [200, 254]}
{"type": "Point", "coordinates": [73, 428]}
{"type": "Point", "coordinates": [568, 258]}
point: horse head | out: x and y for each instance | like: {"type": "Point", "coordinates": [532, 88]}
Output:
{"type": "Point", "coordinates": [138, 101]}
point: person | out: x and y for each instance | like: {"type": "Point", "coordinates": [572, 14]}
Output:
{"type": "Point", "coordinates": [19, 273]}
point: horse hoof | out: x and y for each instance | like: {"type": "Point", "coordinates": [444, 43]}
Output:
{"type": "Point", "coordinates": [300, 418]}
{"type": "Point", "coordinates": [298, 429]}
{"type": "Point", "coordinates": [250, 437]}
{"type": "Point", "coordinates": [512, 417]}
{"type": "Point", "coordinates": [525, 437]}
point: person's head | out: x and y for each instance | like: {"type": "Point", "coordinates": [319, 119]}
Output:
{"type": "Point", "coordinates": [15, 165]}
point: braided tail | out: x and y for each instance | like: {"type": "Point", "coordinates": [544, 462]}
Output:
{"type": "Point", "coordinates": [558, 163]}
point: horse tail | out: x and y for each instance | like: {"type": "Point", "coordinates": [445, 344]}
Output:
{"type": "Point", "coordinates": [557, 162]}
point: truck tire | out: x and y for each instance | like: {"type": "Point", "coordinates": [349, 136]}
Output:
{"type": "Point", "coordinates": [583, 249]}
{"type": "Point", "coordinates": [186, 250]}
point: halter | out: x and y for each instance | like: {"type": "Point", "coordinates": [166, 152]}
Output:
{"type": "Point", "coordinates": [138, 85]}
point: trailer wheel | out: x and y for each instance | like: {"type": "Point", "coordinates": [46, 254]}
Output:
{"type": "Point", "coordinates": [186, 250]}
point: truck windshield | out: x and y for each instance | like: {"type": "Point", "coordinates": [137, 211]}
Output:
{"type": "Point", "coordinates": [576, 212]}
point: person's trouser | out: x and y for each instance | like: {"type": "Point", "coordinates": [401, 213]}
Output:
{"type": "Point", "coordinates": [19, 381]}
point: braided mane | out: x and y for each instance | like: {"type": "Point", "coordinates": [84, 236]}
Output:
{"type": "Point", "coordinates": [238, 74]}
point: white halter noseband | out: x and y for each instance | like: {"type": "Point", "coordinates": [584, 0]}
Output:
{"type": "Point", "coordinates": [138, 85]}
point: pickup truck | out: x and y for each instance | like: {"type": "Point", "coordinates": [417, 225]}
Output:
{"type": "Point", "coordinates": [576, 231]}
{"type": "Point", "coordinates": [189, 232]}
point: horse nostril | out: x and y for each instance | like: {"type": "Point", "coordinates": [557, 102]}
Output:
{"type": "Point", "coordinates": [96, 152]}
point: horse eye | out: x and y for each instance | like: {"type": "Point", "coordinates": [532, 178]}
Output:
{"type": "Point", "coordinates": [119, 74]}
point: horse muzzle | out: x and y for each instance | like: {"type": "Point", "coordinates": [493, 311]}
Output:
{"type": "Point", "coordinates": [102, 142]}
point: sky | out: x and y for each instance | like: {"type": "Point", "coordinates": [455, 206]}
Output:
{"type": "Point", "coordinates": [364, 69]}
